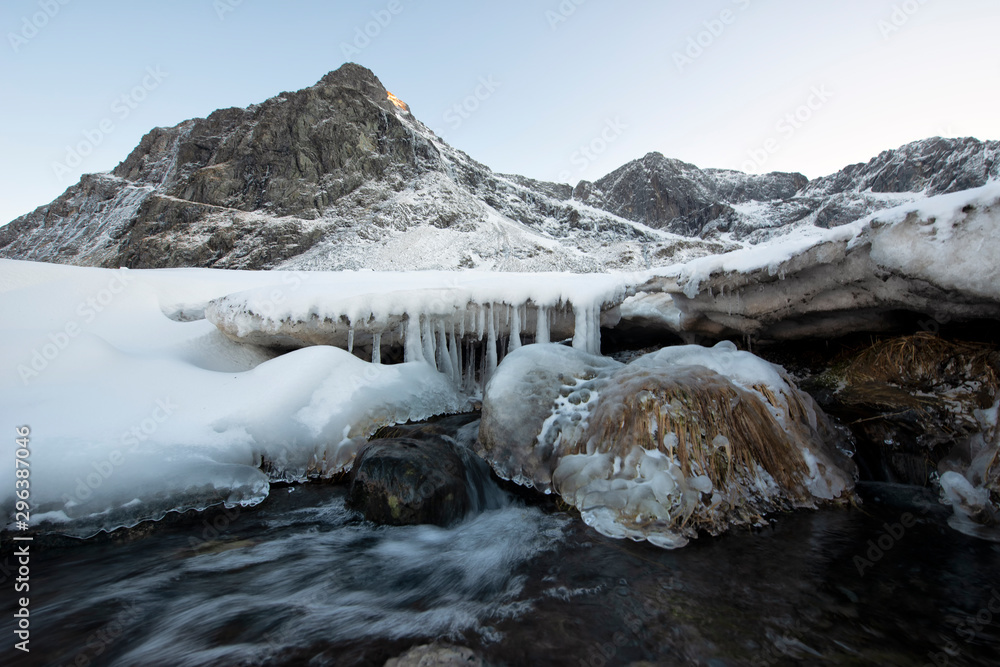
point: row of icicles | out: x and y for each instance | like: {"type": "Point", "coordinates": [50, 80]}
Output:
{"type": "Point", "coordinates": [468, 345]}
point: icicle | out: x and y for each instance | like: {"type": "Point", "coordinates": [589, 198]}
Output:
{"type": "Point", "coordinates": [377, 348]}
{"type": "Point", "coordinates": [491, 349]}
{"type": "Point", "coordinates": [350, 340]}
{"type": "Point", "coordinates": [480, 322]}
{"type": "Point", "coordinates": [595, 330]}
{"type": "Point", "coordinates": [430, 343]}
{"type": "Point", "coordinates": [580, 333]}
{"type": "Point", "coordinates": [587, 329]}
{"type": "Point", "coordinates": [413, 349]}
{"type": "Point", "coordinates": [542, 326]}
{"type": "Point", "coordinates": [515, 330]}
{"type": "Point", "coordinates": [444, 356]}
{"type": "Point", "coordinates": [470, 367]}
{"type": "Point", "coordinates": [455, 354]}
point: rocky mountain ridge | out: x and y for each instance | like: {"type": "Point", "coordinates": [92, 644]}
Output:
{"type": "Point", "coordinates": [341, 175]}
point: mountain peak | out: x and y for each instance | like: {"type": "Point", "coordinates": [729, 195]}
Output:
{"type": "Point", "coordinates": [352, 75]}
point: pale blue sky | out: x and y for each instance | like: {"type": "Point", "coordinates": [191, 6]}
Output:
{"type": "Point", "coordinates": [877, 74]}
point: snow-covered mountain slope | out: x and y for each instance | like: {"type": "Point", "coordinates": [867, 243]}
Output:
{"type": "Point", "coordinates": [341, 175]}
{"type": "Point", "coordinates": [679, 197]}
{"type": "Point", "coordinates": [334, 176]}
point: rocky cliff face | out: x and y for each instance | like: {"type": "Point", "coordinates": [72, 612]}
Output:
{"type": "Point", "coordinates": [340, 176]}
{"type": "Point", "coordinates": [681, 198]}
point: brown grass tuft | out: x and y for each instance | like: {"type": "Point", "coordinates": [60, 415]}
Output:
{"type": "Point", "coordinates": [925, 362]}
{"type": "Point", "coordinates": [697, 405]}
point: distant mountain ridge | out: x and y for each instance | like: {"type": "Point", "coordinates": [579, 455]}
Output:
{"type": "Point", "coordinates": [341, 175]}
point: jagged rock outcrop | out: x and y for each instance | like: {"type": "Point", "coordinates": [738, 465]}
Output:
{"type": "Point", "coordinates": [679, 197]}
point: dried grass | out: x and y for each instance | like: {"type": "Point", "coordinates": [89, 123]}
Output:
{"type": "Point", "coordinates": [696, 405]}
{"type": "Point", "coordinates": [924, 362]}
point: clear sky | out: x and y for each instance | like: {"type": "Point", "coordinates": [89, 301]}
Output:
{"type": "Point", "coordinates": [554, 90]}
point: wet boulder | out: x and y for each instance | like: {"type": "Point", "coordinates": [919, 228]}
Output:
{"type": "Point", "coordinates": [402, 481]}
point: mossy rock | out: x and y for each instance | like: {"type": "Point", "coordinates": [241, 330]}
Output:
{"type": "Point", "coordinates": [404, 481]}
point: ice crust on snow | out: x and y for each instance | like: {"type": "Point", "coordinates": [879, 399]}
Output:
{"type": "Point", "coordinates": [911, 236]}
{"type": "Point", "coordinates": [933, 257]}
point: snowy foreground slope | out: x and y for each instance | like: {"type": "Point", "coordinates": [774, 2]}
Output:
{"type": "Point", "coordinates": [134, 413]}
{"type": "Point", "coordinates": [139, 405]}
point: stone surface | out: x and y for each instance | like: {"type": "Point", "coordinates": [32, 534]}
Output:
{"type": "Point", "coordinates": [403, 481]}
{"type": "Point", "coordinates": [436, 655]}
{"type": "Point", "coordinates": [913, 401]}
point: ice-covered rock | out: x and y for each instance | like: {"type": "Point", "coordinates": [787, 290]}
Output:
{"type": "Point", "coordinates": [677, 441]}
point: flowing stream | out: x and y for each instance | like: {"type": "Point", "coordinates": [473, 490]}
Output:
{"type": "Point", "coordinates": [300, 580]}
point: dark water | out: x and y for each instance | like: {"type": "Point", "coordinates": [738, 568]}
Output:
{"type": "Point", "coordinates": [302, 580]}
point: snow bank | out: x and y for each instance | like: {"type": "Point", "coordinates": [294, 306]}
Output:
{"type": "Point", "coordinates": [934, 257]}
{"type": "Point", "coordinates": [134, 414]}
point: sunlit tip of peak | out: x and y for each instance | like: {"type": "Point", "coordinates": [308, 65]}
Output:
{"type": "Point", "coordinates": [398, 102]}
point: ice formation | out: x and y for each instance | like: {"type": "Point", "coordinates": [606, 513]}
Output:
{"type": "Point", "coordinates": [461, 323]}
{"type": "Point", "coordinates": [679, 440]}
